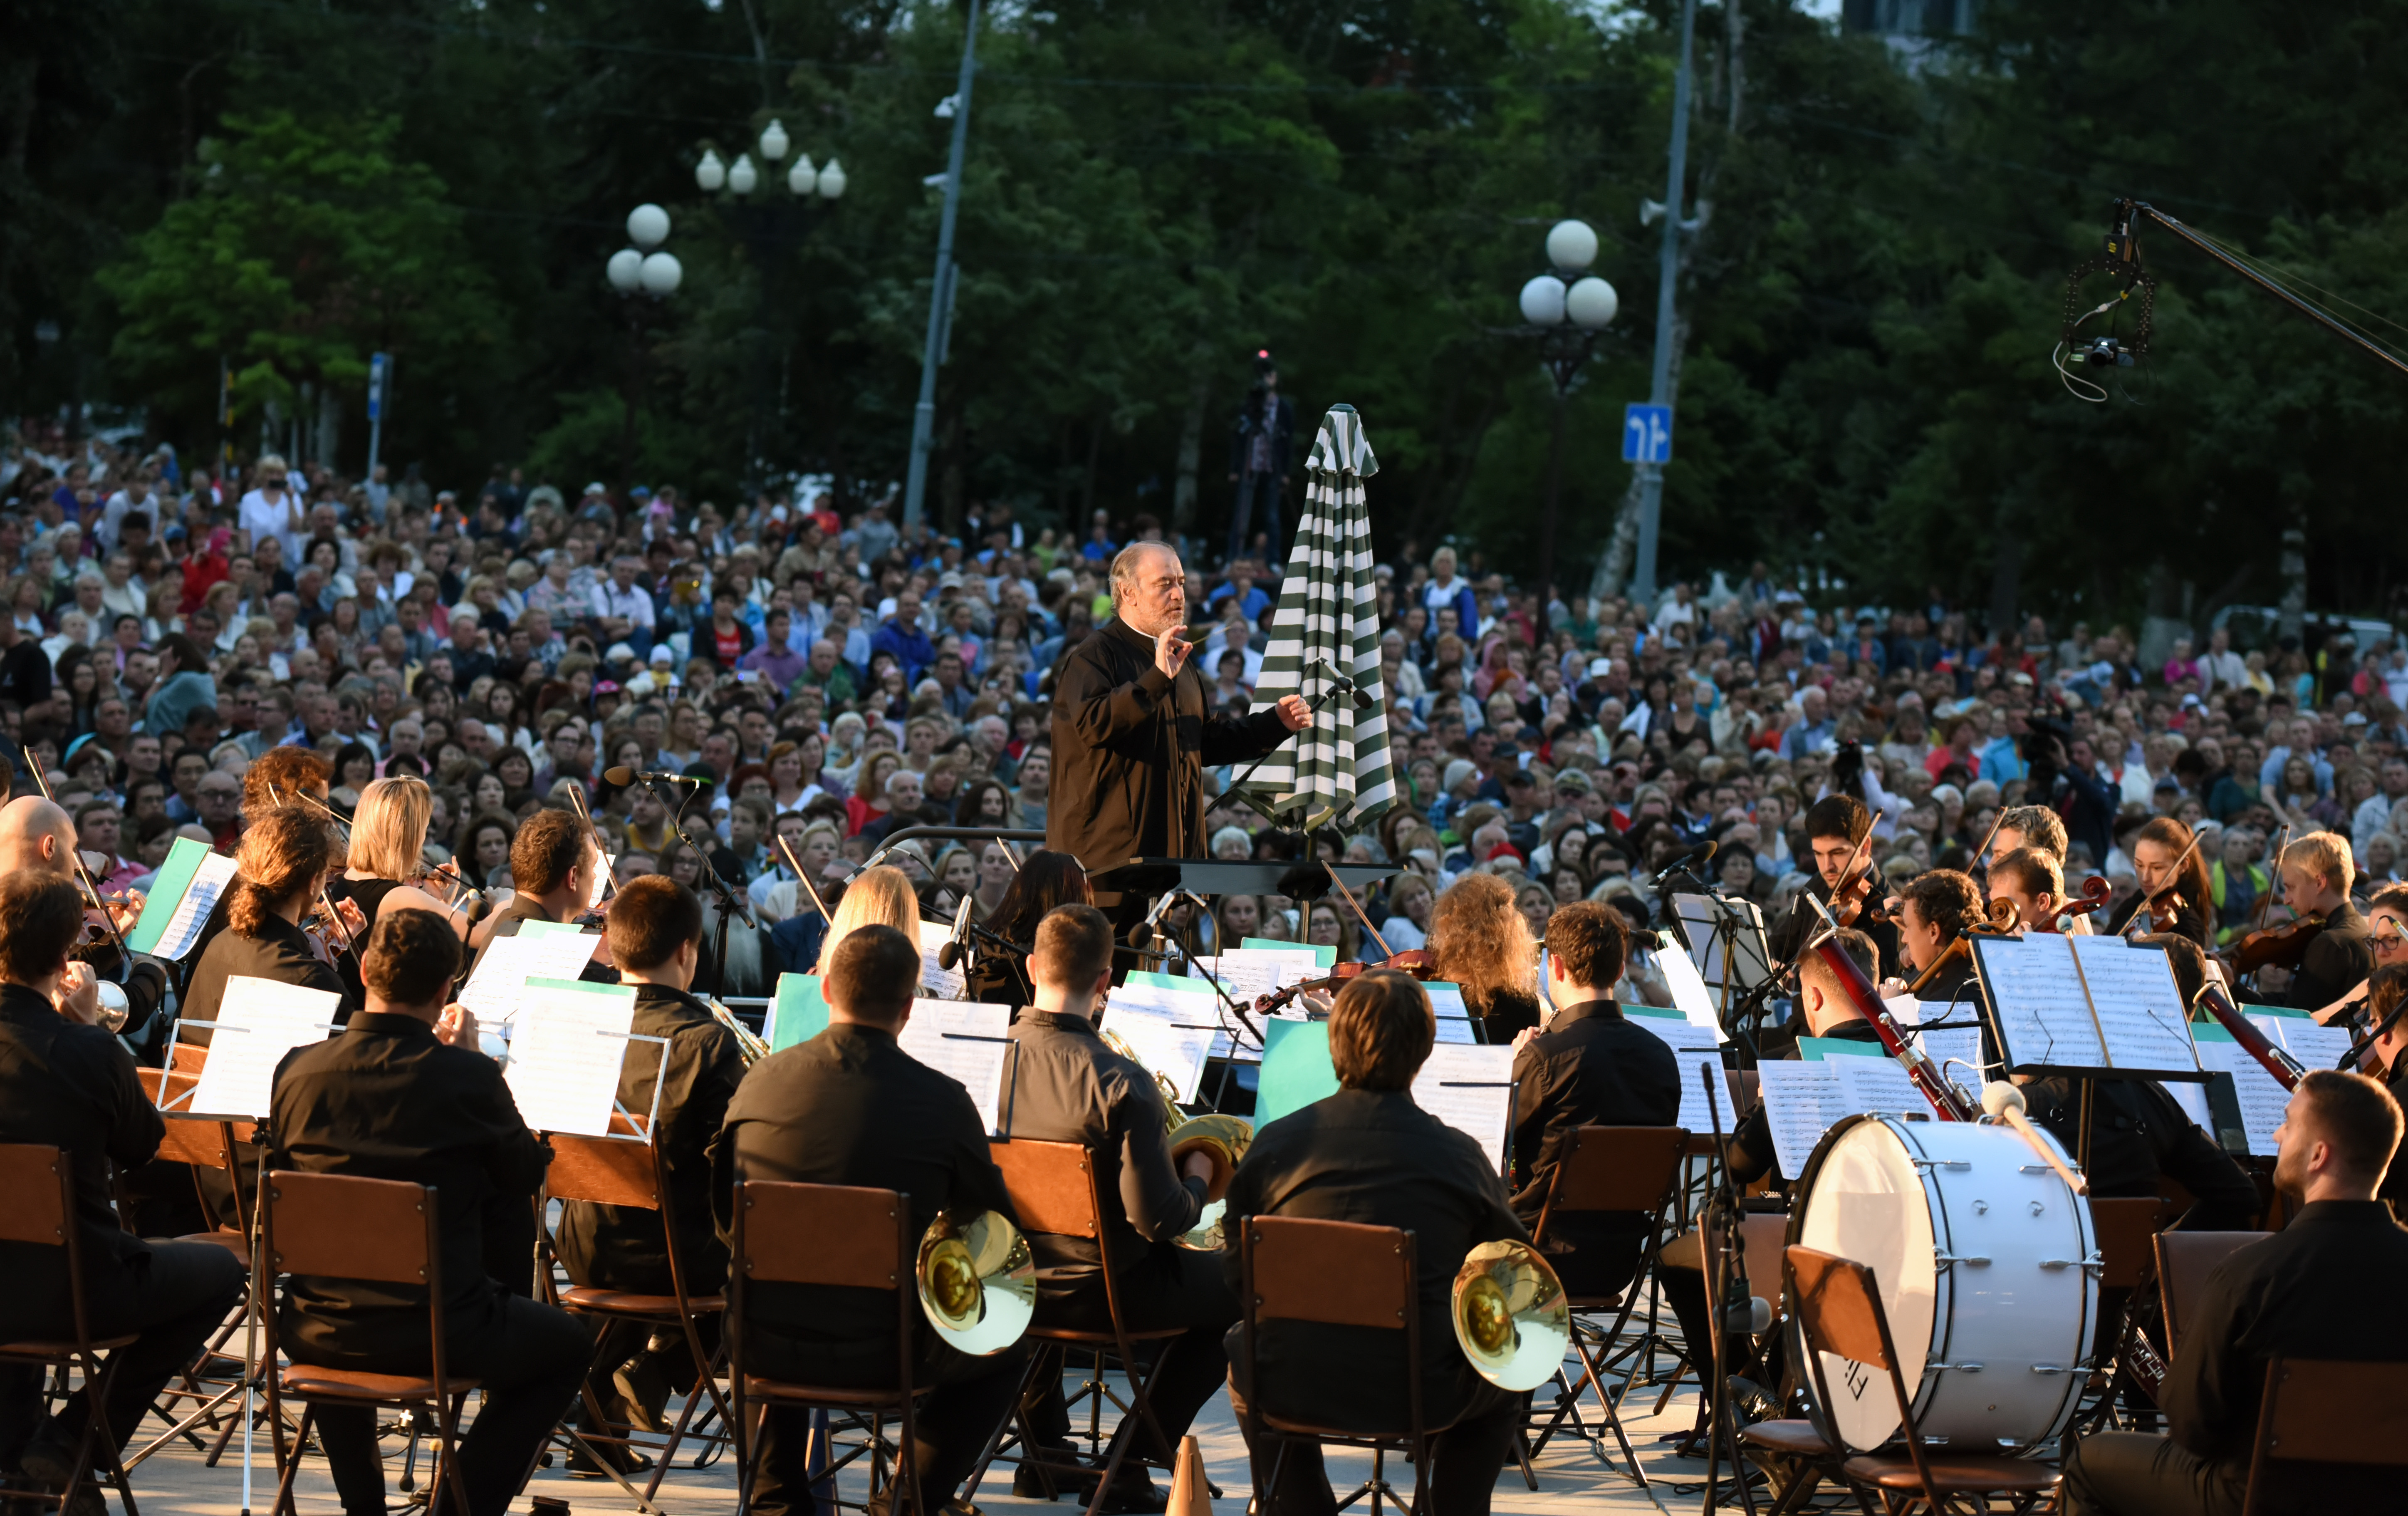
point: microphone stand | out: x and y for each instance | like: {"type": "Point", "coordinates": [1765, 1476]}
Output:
{"type": "Point", "coordinates": [1726, 1262]}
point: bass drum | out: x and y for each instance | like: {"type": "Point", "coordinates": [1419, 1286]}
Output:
{"type": "Point", "coordinates": [1988, 1268]}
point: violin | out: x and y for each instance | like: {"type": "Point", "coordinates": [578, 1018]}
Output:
{"type": "Point", "coordinates": [2003, 919]}
{"type": "Point", "coordinates": [334, 927]}
{"type": "Point", "coordinates": [2274, 947]}
{"type": "Point", "coordinates": [1851, 899]}
{"type": "Point", "coordinates": [2096, 896]}
{"type": "Point", "coordinates": [1415, 962]}
{"type": "Point", "coordinates": [445, 883]}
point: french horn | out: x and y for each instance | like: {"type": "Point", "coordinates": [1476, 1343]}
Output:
{"type": "Point", "coordinates": [978, 1282]}
{"type": "Point", "coordinates": [1510, 1317]}
{"type": "Point", "coordinates": [1224, 1140]}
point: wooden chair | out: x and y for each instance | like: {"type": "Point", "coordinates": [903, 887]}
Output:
{"type": "Point", "coordinates": [1338, 1274]}
{"type": "Point", "coordinates": [2322, 1411]}
{"type": "Point", "coordinates": [37, 1207]}
{"type": "Point", "coordinates": [841, 1237]}
{"type": "Point", "coordinates": [1053, 1190]}
{"type": "Point", "coordinates": [1609, 1168]}
{"type": "Point", "coordinates": [1839, 1311]}
{"type": "Point", "coordinates": [2127, 1231]}
{"type": "Point", "coordinates": [2185, 1260]}
{"type": "Point", "coordinates": [335, 1227]}
{"type": "Point", "coordinates": [628, 1172]}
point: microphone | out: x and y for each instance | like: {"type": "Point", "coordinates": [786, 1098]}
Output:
{"type": "Point", "coordinates": [1755, 1318]}
{"type": "Point", "coordinates": [1362, 697]}
{"type": "Point", "coordinates": [956, 948]}
{"type": "Point", "coordinates": [1701, 854]}
{"type": "Point", "coordinates": [622, 777]}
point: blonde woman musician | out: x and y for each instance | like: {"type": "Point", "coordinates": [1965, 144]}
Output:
{"type": "Point", "coordinates": [880, 896]}
{"type": "Point", "coordinates": [389, 849]}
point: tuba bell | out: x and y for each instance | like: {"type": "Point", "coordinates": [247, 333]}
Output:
{"type": "Point", "coordinates": [978, 1282]}
{"type": "Point", "coordinates": [1224, 1140]}
{"type": "Point", "coordinates": [1510, 1317]}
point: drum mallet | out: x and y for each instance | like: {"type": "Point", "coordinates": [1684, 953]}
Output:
{"type": "Point", "coordinates": [2005, 1102]}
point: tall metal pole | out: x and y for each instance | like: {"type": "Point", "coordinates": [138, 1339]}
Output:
{"type": "Point", "coordinates": [941, 293]}
{"type": "Point", "coordinates": [1659, 393]}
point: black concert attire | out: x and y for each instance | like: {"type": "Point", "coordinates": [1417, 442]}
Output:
{"type": "Point", "coordinates": [622, 1247]}
{"type": "Point", "coordinates": [1504, 1014]}
{"type": "Point", "coordinates": [2301, 1292]}
{"type": "Point", "coordinates": [2137, 1133]}
{"type": "Point", "coordinates": [1590, 1067]}
{"type": "Point", "coordinates": [2339, 958]}
{"type": "Point", "coordinates": [1797, 928]}
{"type": "Point", "coordinates": [2395, 1182]}
{"type": "Point", "coordinates": [1001, 978]}
{"type": "Point", "coordinates": [2191, 921]}
{"type": "Point", "coordinates": [74, 1087]}
{"type": "Point", "coordinates": [1072, 1087]}
{"type": "Point", "coordinates": [1130, 749]}
{"type": "Point", "coordinates": [851, 1107]}
{"type": "Point", "coordinates": [368, 894]}
{"type": "Point", "coordinates": [524, 908]}
{"type": "Point", "coordinates": [389, 1100]}
{"type": "Point", "coordinates": [1375, 1158]}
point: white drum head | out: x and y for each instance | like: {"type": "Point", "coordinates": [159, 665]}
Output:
{"type": "Point", "coordinates": [1868, 1203]}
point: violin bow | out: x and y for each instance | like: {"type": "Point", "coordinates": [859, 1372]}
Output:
{"type": "Point", "coordinates": [75, 856]}
{"type": "Point", "coordinates": [1354, 906]}
{"type": "Point", "coordinates": [797, 864]}
{"type": "Point", "coordinates": [2147, 911]}
{"type": "Point", "coordinates": [1982, 854]}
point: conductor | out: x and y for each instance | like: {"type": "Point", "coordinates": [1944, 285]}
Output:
{"type": "Point", "coordinates": [1134, 727]}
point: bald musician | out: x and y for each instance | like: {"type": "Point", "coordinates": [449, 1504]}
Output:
{"type": "Point", "coordinates": [39, 837]}
{"type": "Point", "coordinates": [2303, 1293]}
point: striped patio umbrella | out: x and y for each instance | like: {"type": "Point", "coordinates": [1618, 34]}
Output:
{"type": "Point", "coordinates": [1335, 771]}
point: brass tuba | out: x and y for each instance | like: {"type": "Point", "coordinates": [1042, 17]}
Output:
{"type": "Point", "coordinates": [978, 1282]}
{"type": "Point", "coordinates": [1224, 1140]}
{"type": "Point", "coordinates": [1510, 1317]}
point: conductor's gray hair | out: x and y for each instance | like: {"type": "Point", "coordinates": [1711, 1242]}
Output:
{"type": "Point", "coordinates": [1125, 564]}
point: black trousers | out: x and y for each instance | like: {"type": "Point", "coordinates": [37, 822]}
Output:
{"type": "Point", "coordinates": [1169, 1286]}
{"type": "Point", "coordinates": [183, 1292]}
{"type": "Point", "coordinates": [1256, 491]}
{"type": "Point", "coordinates": [530, 1365]}
{"type": "Point", "coordinates": [1465, 1460]}
{"type": "Point", "coordinates": [951, 1428]}
{"type": "Point", "coordinates": [2138, 1474]}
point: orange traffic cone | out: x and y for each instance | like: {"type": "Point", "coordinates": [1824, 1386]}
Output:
{"type": "Point", "coordinates": [1191, 1492]}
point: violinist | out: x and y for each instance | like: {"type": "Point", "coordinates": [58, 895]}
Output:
{"type": "Point", "coordinates": [387, 850]}
{"type": "Point", "coordinates": [2174, 882]}
{"type": "Point", "coordinates": [1480, 940]}
{"type": "Point", "coordinates": [2042, 830]}
{"type": "Point", "coordinates": [2386, 939]}
{"type": "Point", "coordinates": [1933, 911]}
{"type": "Point", "coordinates": [1838, 827]}
{"type": "Point", "coordinates": [1047, 880]}
{"type": "Point", "coordinates": [2386, 1058]}
{"type": "Point", "coordinates": [554, 862]}
{"type": "Point", "coordinates": [1825, 1011]}
{"type": "Point", "coordinates": [2318, 872]}
{"type": "Point", "coordinates": [285, 861]}
{"type": "Point", "coordinates": [37, 837]}
{"type": "Point", "coordinates": [280, 777]}
{"type": "Point", "coordinates": [2027, 879]}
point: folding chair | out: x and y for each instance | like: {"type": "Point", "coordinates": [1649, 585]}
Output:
{"type": "Point", "coordinates": [335, 1226]}
{"type": "Point", "coordinates": [1338, 1274]}
{"type": "Point", "coordinates": [38, 1207]}
{"type": "Point", "coordinates": [1839, 1311]}
{"type": "Point", "coordinates": [2127, 1230]}
{"type": "Point", "coordinates": [2185, 1260]}
{"type": "Point", "coordinates": [627, 1171]}
{"type": "Point", "coordinates": [835, 1235]}
{"type": "Point", "coordinates": [2321, 1412]}
{"type": "Point", "coordinates": [1611, 1169]}
{"type": "Point", "coordinates": [1053, 1190]}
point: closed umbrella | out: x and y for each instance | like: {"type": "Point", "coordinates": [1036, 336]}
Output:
{"type": "Point", "coordinates": [1327, 630]}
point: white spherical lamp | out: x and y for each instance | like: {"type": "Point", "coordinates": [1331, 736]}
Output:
{"type": "Point", "coordinates": [661, 274]}
{"type": "Point", "coordinates": [802, 179]}
{"type": "Point", "coordinates": [832, 181]}
{"type": "Point", "coordinates": [648, 226]}
{"type": "Point", "coordinates": [1571, 244]}
{"type": "Point", "coordinates": [626, 270]}
{"type": "Point", "coordinates": [709, 174]}
{"type": "Point", "coordinates": [742, 175]}
{"type": "Point", "coordinates": [1591, 303]}
{"type": "Point", "coordinates": [1542, 301]}
{"type": "Point", "coordinates": [774, 142]}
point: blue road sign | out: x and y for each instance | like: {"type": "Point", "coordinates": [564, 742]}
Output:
{"type": "Point", "coordinates": [379, 365]}
{"type": "Point", "coordinates": [1646, 434]}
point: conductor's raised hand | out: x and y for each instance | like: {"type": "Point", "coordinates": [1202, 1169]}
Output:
{"type": "Point", "coordinates": [1170, 651]}
{"type": "Point", "coordinates": [1295, 712]}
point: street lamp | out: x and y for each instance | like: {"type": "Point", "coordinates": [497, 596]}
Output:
{"type": "Point", "coordinates": [1565, 310]}
{"type": "Point", "coordinates": [648, 269]}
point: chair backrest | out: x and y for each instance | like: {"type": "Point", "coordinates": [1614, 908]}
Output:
{"type": "Point", "coordinates": [35, 1197]}
{"type": "Point", "coordinates": [338, 1226]}
{"type": "Point", "coordinates": [2127, 1231]}
{"type": "Point", "coordinates": [1838, 1307]}
{"type": "Point", "coordinates": [1618, 1167]}
{"type": "Point", "coordinates": [2320, 1410]}
{"type": "Point", "coordinates": [2185, 1260]}
{"type": "Point", "coordinates": [821, 1233]}
{"type": "Point", "coordinates": [199, 1143]}
{"type": "Point", "coordinates": [1761, 1237]}
{"type": "Point", "coordinates": [605, 1170]}
{"type": "Point", "coordinates": [1051, 1185]}
{"type": "Point", "coordinates": [1341, 1273]}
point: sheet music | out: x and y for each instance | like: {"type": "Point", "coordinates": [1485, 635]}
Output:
{"type": "Point", "coordinates": [568, 1045]}
{"type": "Point", "coordinates": [2192, 1097]}
{"type": "Point", "coordinates": [1957, 1051]}
{"type": "Point", "coordinates": [967, 1042]}
{"type": "Point", "coordinates": [1454, 1016]}
{"type": "Point", "coordinates": [1197, 1007]}
{"type": "Point", "coordinates": [497, 988]}
{"type": "Point", "coordinates": [2036, 991]}
{"type": "Point", "coordinates": [1246, 977]}
{"type": "Point", "coordinates": [1880, 1084]}
{"type": "Point", "coordinates": [2262, 1101]}
{"type": "Point", "coordinates": [940, 981]}
{"type": "Point", "coordinates": [266, 1020]}
{"type": "Point", "coordinates": [2313, 1046]}
{"type": "Point", "coordinates": [2138, 1005]}
{"type": "Point", "coordinates": [1690, 997]}
{"type": "Point", "coordinates": [1471, 1090]}
{"type": "Point", "coordinates": [1801, 1101]}
{"type": "Point", "coordinates": [1699, 914]}
{"type": "Point", "coordinates": [211, 874]}
{"type": "Point", "coordinates": [1904, 1010]}
{"type": "Point", "coordinates": [1171, 1054]}
{"type": "Point", "coordinates": [1693, 1046]}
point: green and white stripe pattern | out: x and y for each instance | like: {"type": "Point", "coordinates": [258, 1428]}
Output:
{"type": "Point", "coordinates": [1336, 772]}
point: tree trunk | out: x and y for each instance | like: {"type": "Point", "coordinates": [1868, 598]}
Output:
{"type": "Point", "coordinates": [330, 424]}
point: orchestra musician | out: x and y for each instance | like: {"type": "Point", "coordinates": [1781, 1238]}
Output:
{"type": "Point", "coordinates": [553, 864]}
{"type": "Point", "coordinates": [388, 847]}
{"type": "Point", "coordinates": [1368, 1155]}
{"type": "Point", "coordinates": [2027, 826]}
{"type": "Point", "coordinates": [1047, 880]}
{"type": "Point", "coordinates": [2301, 1292]}
{"type": "Point", "coordinates": [1837, 826]}
{"type": "Point", "coordinates": [1825, 1011]}
{"type": "Point", "coordinates": [65, 1083]}
{"type": "Point", "coordinates": [1481, 942]}
{"type": "Point", "coordinates": [655, 927]}
{"type": "Point", "coordinates": [1072, 1087]}
{"type": "Point", "coordinates": [880, 896]}
{"type": "Point", "coordinates": [2386, 943]}
{"type": "Point", "coordinates": [36, 836]}
{"type": "Point", "coordinates": [2030, 880]}
{"type": "Point", "coordinates": [2387, 1059]}
{"type": "Point", "coordinates": [851, 1107]}
{"type": "Point", "coordinates": [280, 777]}
{"type": "Point", "coordinates": [284, 858]}
{"type": "Point", "coordinates": [404, 1094]}
{"type": "Point", "coordinates": [1933, 911]}
{"type": "Point", "coordinates": [2163, 859]}
{"type": "Point", "coordinates": [2318, 872]}
{"type": "Point", "coordinates": [1589, 1067]}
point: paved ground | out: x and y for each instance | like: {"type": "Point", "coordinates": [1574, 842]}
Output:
{"type": "Point", "coordinates": [1570, 1476]}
